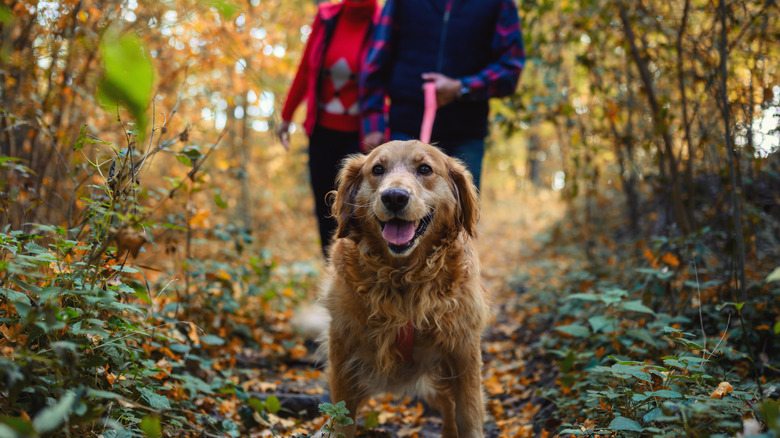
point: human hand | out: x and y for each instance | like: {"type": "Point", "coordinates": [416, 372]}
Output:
{"type": "Point", "coordinates": [372, 140]}
{"type": "Point", "coordinates": [447, 88]}
{"type": "Point", "coordinates": [283, 132]}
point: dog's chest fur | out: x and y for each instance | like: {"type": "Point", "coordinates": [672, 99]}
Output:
{"type": "Point", "coordinates": [430, 294]}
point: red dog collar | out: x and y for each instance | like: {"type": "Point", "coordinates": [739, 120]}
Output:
{"type": "Point", "coordinates": [404, 341]}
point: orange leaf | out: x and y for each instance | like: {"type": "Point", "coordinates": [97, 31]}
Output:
{"type": "Point", "coordinates": [724, 389]}
{"type": "Point", "coordinates": [111, 377]}
{"type": "Point", "coordinates": [670, 259]}
{"type": "Point", "coordinates": [199, 218]}
{"type": "Point", "coordinates": [494, 386]}
{"type": "Point", "coordinates": [650, 257]}
{"type": "Point", "coordinates": [298, 352]}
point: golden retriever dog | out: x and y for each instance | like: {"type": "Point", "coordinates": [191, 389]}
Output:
{"type": "Point", "coordinates": [403, 286]}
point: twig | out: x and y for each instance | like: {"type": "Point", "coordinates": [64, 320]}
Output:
{"type": "Point", "coordinates": [701, 317]}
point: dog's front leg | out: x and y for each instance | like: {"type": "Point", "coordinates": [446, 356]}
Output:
{"type": "Point", "coordinates": [469, 399]}
{"type": "Point", "coordinates": [343, 387]}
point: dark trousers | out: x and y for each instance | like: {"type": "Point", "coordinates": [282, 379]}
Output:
{"type": "Point", "coordinates": [327, 149]}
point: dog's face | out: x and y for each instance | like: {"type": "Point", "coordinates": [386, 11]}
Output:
{"type": "Point", "coordinates": [403, 194]}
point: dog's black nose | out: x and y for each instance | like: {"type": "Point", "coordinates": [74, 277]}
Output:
{"type": "Point", "coordinates": [395, 199]}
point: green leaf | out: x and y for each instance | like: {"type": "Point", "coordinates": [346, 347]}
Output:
{"type": "Point", "coordinates": [156, 401]}
{"type": "Point", "coordinates": [325, 408]}
{"type": "Point", "coordinates": [84, 138]}
{"type": "Point", "coordinates": [665, 393]}
{"type": "Point", "coordinates": [598, 323]}
{"type": "Point", "coordinates": [272, 404]}
{"type": "Point", "coordinates": [91, 392]}
{"type": "Point", "coordinates": [774, 276]}
{"type": "Point", "coordinates": [584, 297]}
{"type": "Point", "coordinates": [220, 202]}
{"type": "Point", "coordinates": [183, 159]}
{"type": "Point", "coordinates": [637, 306]}
{"type": "Point", "coordinates": [652, 415]}
{"type": "Point", "coordinates": [227, 8]}
{"type": "Point", "coordinates": [256, 404]}
{"type": "Point", "coordinates": [212, 340]}
{"type": "Point", "coordinates": [14, 297]}
{"type": "Point", "coordinates": [6, 16]}
{"type": "Point", "coordinates": [20, 426]}
{"type": "Point", "coordinates": [128, 75]}
{"type": "Point", "coordinates": [151, 427]}
{"type": "Point", "coordinates": [372, 420]}
{"type": "Point", "coordinates": [52, 417]}
{"type": "Point", "coordinates": [125, 268]}
{"type": "Point", "coordinates": [81, 138]}
{"type": "Point", "coordinates": [738, 306]}
{"type": "Point", "coordinates": [623, 423]}
{"type": "Point", "coordinates": [575, 330]}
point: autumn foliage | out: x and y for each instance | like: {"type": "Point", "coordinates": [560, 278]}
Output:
{"type": "Point", "coordinates": [158, 253]}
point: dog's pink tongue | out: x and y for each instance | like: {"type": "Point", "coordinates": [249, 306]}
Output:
{"type": "Point", "coordinates": [398, 232]}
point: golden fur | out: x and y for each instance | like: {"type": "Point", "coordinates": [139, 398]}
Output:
{"type": "Point", "coordinates": [373, 289]}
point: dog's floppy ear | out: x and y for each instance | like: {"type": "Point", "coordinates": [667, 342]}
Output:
{"type": "Point", "coordinates": [466, 194]}
{"type": "Point", "coordinates": [347, 183]}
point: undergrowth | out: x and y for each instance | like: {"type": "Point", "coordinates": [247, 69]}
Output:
{"type": "Point", "coordinates": [93, 343]}
{"type": "Point", "coordinates": [651, 339]}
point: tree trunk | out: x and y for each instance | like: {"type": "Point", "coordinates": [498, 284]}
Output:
{"type": "Point", "coordinates": [733, 160]}
{"type": "Point", "coordinates": [661, 125]}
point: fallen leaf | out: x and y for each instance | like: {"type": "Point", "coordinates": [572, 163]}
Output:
{"type": "Point", "coordinates": [199, 218]}
{"type": "Point", "coordinates": [724, 389]}
{"type": "Point", "coordinates": [493, 385]}
{"type": "Point", "coordinates": [298, 352]}
{"type": "Point", "coordinates": [670, 259]}
{"type": "Point", "coordinates": [111, 377]}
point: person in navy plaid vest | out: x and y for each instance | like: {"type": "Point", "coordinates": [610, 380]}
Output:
{"type": "Point", "coordinates": [472, 49]}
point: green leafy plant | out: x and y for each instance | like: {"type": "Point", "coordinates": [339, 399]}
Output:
{"type": "Point", "coordinates": [337, 417]}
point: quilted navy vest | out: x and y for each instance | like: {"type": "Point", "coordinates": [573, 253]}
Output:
{"type": "Point", "coordinates": [456, 45]}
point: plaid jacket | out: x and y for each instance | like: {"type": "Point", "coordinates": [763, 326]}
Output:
{"type": "Point", "coordinates": [498, 78]}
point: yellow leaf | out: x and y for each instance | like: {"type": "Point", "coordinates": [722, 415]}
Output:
{"type": "Point", "coordinates": [83, 16]}
{"type": "Point", "coordinates": [199, 218]}
{"type": "Point", "coordinates": [223, 275]}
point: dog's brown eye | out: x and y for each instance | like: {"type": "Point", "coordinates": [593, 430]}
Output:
{"type": "Point", "coordinates": [424, 169]}
{"type": "Point", "coordinates": [378, 169]}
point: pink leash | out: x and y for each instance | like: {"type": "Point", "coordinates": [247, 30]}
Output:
{"type": "Point", "coordinates": [430, 111]}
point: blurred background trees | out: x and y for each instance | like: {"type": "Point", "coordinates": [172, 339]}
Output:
{"type": "Point", "coordinates": [613, 93]}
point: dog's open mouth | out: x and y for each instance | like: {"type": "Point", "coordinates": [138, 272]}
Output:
{"type": "Point", "coordinates": [401, 234]}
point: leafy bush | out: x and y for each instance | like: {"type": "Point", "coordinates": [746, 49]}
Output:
{"type": "Point", "coordinates": [653, 346]}
{"type": "Point", "coordinates": [90, 344]}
